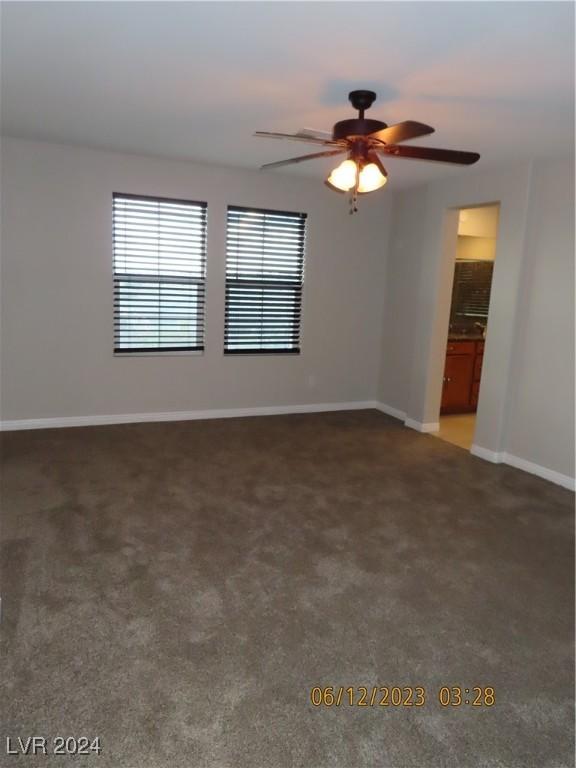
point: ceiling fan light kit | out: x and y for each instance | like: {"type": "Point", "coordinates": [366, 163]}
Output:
{"type": "Point", "coordinates": [364, 176]}
{"type": "Point", "coordinates": [344, 176]}
{"type": "Point", "coordinates": [363, 141]}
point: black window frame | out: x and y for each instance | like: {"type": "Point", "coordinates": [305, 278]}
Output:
{"type": "Point", "coordinates": [297, 221]}
{"type": "Point", "coordinates": [163, 280]}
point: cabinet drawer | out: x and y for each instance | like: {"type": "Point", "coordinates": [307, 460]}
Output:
{"type": "Point", "coordinates": [460, 348]}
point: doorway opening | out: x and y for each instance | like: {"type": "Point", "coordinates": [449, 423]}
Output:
{"type": "Point", "coordinates": [470, 302]}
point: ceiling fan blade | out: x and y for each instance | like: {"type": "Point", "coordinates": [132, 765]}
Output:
{"type": "Point", "coordinates": [394, 134]}
{"type": "Point", "coordinates": [302, 158]}
{"type": "Point", "coordinates": [298, 137]}
{"type": "Point", "coordinates": [427, 153]}
{"type": "Point", "coordinates": [324, 135]}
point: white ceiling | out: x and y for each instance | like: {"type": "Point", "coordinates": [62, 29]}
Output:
{"type": "Point", "coordinates": [195, 79]}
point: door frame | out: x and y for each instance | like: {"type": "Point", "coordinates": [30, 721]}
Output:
{"type": "Point", "coordinates": [443, 202]}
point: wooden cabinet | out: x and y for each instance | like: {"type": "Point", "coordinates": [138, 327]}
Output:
{"type": "Point", "coordinates": [478, 367]}
{"type": "Point", "coordinates": [460, 348]}
{"type": "Point", "coordinates": [462, 372]}
{"type": "Point", "coordinates": [457, 382]}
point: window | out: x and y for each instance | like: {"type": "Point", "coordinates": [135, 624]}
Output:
{"type": "Point", "coordinates": [264, 273]}
{"type": "Point", "coordinates": [471, 292]}
{"type": "Point", "coordinates": [159, 274]}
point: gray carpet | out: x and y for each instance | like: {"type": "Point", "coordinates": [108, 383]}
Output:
{"type": "Point", "coordinates": [178, 589]}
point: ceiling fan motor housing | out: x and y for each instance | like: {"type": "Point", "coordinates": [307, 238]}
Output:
{"type": "Point", "coordinates": [356, 127]}
{"type": "Point", "coordinates": [359, 126]}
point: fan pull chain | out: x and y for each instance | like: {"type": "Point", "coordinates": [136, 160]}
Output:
{"type": "Point", "coordinates": [354, 202]}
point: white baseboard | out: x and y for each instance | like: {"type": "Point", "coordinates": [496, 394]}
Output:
{"type": "Point", "coordinates": [484, 453]}
{"type": "Point", "coordinates": [220, 413]}
{"type": "Point", "coordinates": [275, 410]}
{"type": "Point", "coordinates": [389, 411]}
{"type": "Point", "coordinates": [536, 469]}
{"type": "Point", "coordinates": [419, 426]}
{"type": "Point", "coordinates": [527, 466]}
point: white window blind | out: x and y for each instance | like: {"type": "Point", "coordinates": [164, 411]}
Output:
{"type": "Point", "coordinates": [264, 276]}
{"type": "Point", "coordinates": [159, 274]}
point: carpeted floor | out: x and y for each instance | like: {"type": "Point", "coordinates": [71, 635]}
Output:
{"type": "Point", "coordinates": [178, 589]}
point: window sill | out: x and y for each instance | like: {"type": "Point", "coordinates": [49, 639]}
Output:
{"type": "Point", "coordinates": [190, 353]}
{"type": "Point", "coordinates": [271, 353]}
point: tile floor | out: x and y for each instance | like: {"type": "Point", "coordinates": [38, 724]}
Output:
{"type": "Point", "coordinates": [458, 429]}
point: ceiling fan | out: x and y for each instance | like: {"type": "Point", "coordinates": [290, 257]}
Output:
{"type": "Point", "coordinates": [365, 142]}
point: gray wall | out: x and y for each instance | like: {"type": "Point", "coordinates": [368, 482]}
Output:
{"type": "Point", "coordinates": [540, 423]}
{"type": "Point", "coordinates": [527, 392]}
{"type": "Point", "coordinates": [376, 297]}
{"type": "Point", "coordinates": [57, 308]}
